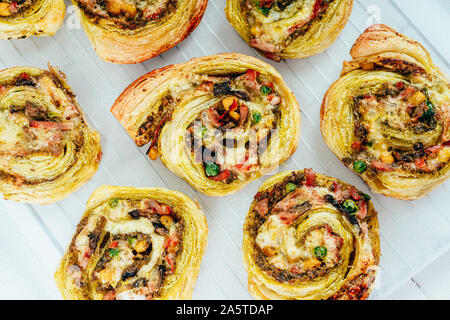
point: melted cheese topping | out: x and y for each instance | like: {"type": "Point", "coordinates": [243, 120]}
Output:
{"type": "Point", "coordinates": [282, 244]}
{"type": "Point", "coordinates": [276, 27]}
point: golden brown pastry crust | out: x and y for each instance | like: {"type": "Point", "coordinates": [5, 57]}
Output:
{"type": "Point", "coordinates": [103, 205]}
{"type": "Point", "coordinates": [302, 207]}
{"type": "Point", "coordinates": [392, 67]}
{"type": "Point", "coordinates": [42, 18]}
{"type": "Point", "coordinates": [182, 88]}
{"type": "Point", "coordinates": [126, 46]}
{"type": "Point", "coordinates": [47, 148]}
{"type": "Point", "coordinates": [322, 26]}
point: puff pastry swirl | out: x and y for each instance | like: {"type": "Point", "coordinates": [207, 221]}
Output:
{"type": "Point", "coordinates": [281, 29]}
{"type": "Point", "coordinates": [47, 149]}
{"type": "Point", "coordinates": [134, 243]}
{"type": "Point", "coordinates": [218, 122]}
{"type": "Point", "coordinates": [388, 115]}
{"type": "Point", "coordinates": [132, 31]}
{"type": "Point", "coordinates": [309, 236]}
{"type": "Point", "coordinates": [24, 18]}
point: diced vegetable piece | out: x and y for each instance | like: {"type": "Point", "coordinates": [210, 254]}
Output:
{"type": "Point", "coordinates": [4, 9]}
{"type": "Point", "coordinates": [106, 276]}
{"type": "Point", "coordinates": [359, 166]}
{"type": "Point", "coordinates": [114, 252]}
{"type": "Point", "coordinates": [350, 206]}
{"type": "Point", "coordinates": [141, 246]}
{"type": "Point", "coordinates": [228, 102]}
{"type": "Point", "coordinates": [387, 157]}
{"type": "Point", "coordinates": [166, 221]}
{"type": "Point", "coordinates": [428, 113]}
{"type": "Point", "coordinates": [235, 115]}
{"type": "Point", "coordinates": [266, 90]}
{"type": "Point", "coordinates": [113, 244]}
{"type": "Point", "coordinates": [291, 187]}
{"type": "Point", "coordinates": [132, 241]}
{"type": "Point", "coordinates": [320, 252]}
{"type": "Point", "coordinates": [202, 130]}
{"type": "Point", "coordinates": [256, 117]}
{"type": "Point", "coordinates": [153, 153]}
{"type": "Point", "coordinates": [417, 98]}
{"type": "Point", "coordinates": [365, 195]}
{"type": "Point", "coordinates": [211, 169]}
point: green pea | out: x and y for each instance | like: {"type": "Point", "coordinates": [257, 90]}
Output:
{"type": "Point", "coordinates": [290, 187]}
{"type": "Point", "coordinates": [265, 90]}
{"type": "Point", "coordinates": [359, 166]}
{"type": "Point", "coordinates": [320, 252]}
{"type": "Point", "coordinates": [114, 252]}
{"type": "Point", "coordinates": [113, 203]}
{"type": "Point", "coordinates": [211, 169]}
{"type": "Point", "coordinates": [256, 117]}
{"type": "Point", "coordinates": [350, 206]}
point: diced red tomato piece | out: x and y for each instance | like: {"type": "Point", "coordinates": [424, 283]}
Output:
{"type": "Point", "coordinates": [310, 177]}
{"type": "Point", "coordinates": [221, 176]}
{"type": "Point", "coordinates": [113, 244]}
{"type": "Point", "coordinates": [355, 194]}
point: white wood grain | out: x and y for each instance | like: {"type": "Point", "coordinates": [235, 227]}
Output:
{"type": "Point", "coordinates": [413, 234]}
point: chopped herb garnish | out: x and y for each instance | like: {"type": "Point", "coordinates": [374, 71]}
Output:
{"type": "Point", "coordinates": [113, 203]}
{"type": "Point", "coordinates": [264, 10]}
{"type": "Point", "coordinates": [290, 187]}
{"type": "Point", "coordinates": [429, 112]}
{"type": "Point", "coordinates": [350, 206]}
{"type": "Point", "coordinates": [265, 90]}
{"type": "Point", "coordinates": [365, 196]}
{"type": "Point", "coordinates": [359, 166]}
{"type": "Point", "coordinates": [256, 117]}
{"type": "Point", "coordinates": [211, 169]}
{"type": "Point", "coordinates": [320, 252]}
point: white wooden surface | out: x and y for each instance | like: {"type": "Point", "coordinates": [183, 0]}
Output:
{"type": "Point", "coordinates": [415, 236]}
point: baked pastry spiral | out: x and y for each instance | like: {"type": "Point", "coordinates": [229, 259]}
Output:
{"type": "Point", "coordinates": [388, 115]}
{"type": "Point", "coordinates": [282, 29]}
{"type": "Point", "coordinates": [132, 31]}
{"type": "Point", "coordinates": [134, 244]}
{"type": "Point", "coordinates": [47, 149]}
{"type": "Point", "coordinates": [218, 122]}
{"type": "Point", "coordinates": [24, 18]}
{"type": "Point", "coordinates": [309, 236]}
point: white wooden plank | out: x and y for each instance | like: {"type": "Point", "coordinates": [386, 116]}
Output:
{"type": "Point", "coordinates": [413, 234]}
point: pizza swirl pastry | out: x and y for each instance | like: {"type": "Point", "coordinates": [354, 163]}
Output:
{"type": "Point", "coordinates": [134, 244]}
{"type": "Point", "coordinates": [24, 18]}
{"type": "Point", "coordinates": [132, 31]}
{"type": "Point", "coordinates": [47, 149]}
{"type": "Point", "coordinates": [218, 122]}
{"type": "Point", "coordinates": [281, 29]}
{"type": "Point", "coordinates": [309, 236]}
{"type": "Point", "coordinates": [388, 115]}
